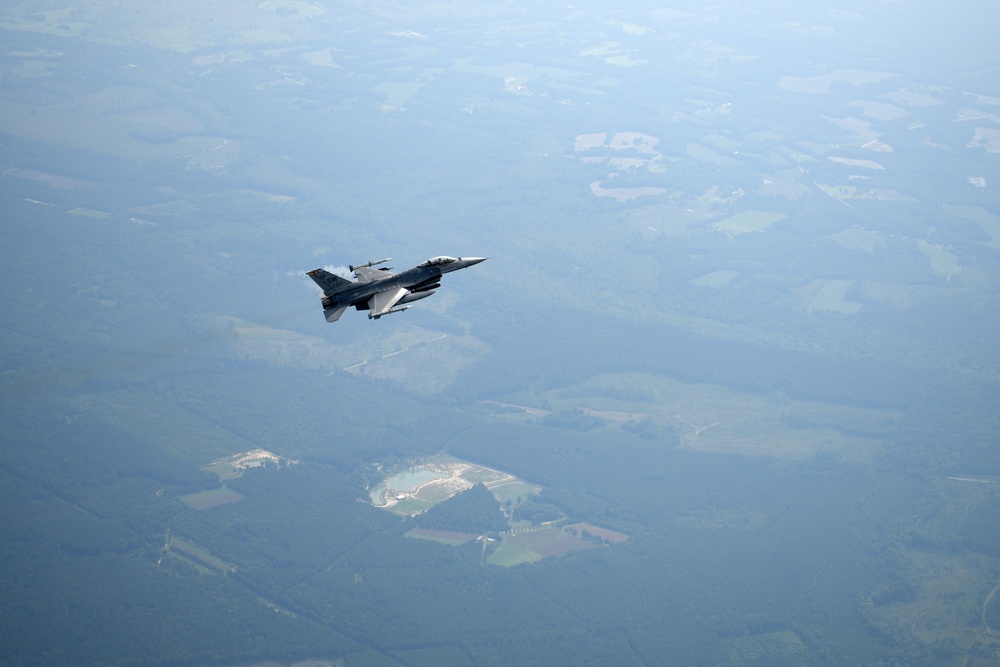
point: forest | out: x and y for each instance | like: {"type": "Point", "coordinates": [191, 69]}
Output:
{"type": "Point", "coordinates": [782, 392]}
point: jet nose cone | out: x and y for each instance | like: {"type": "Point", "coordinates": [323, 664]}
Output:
{"type": "Point", "coordinates": [472, 261]}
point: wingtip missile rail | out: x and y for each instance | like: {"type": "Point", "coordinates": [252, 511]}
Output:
{"type": "Point", "coordinates": [374, 262]}
{"type": "Point", "coordinates": [397, 309]}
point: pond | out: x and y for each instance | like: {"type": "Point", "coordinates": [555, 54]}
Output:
{"type": "Point", "coordinates": [403, 482]}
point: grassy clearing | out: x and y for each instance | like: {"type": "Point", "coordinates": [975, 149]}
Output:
{"type": "Point", "coordinates": [605, 534]}
{"type": "Point", "coordinates": [987, 220]}
{"type": "Point", "coordinates": [198, 555]}
{"type": "Point", "coordinates": [547, 541]}
{"type": "Point", "coordinates": [856, 238]}
{"type": "Point", "coordinates": [48, 178]}
{"type": "Point", "coordinates": [436, 494]}
{"type": "Point", "coordinates": [943, 262]}
{"type": "Point", "coordinates": [211, 498]}
{"type": "Point", "coordinates": [508, 554]}
{"type": "Point", "coordinates": [89, 213]}
{"type": "Point", "coordinates": [846, 192]}
{"type": "Point", "coordinates": [204, 26]}
{"type": "Point", "coordinates": [715, 279]}
{"type": "Point", "coordinates": [105, 134]}
{"type": "Point", "coordinates": [747, 222]}
{"type": "Point", "coordinates": [442, 536]}
{"type": "Point", "coordinates": [828, 296]}
{"type": "Point", "coordinates": [514, 491]}
{"type": "Point", "coordinates": [944, 588]}
{"type": "Point", "coordinates": [410, 506]}
{"type": "Point", "coordinates": [710, 417]}
{"type": "Point", "coordinates": [62, 22]}
{"type": "Point", "coordinates": [419, 360]}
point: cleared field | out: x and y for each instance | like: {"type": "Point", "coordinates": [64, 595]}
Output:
{"type": "Point", "coordinates": [828, 296]}
{"type": "Point", "coordinates": [715, 279]}
{"type": "Point", "coordinates": [714, 418]}
{"type": "Point", "coordinates": [442, 536]}
{"type": "Point", "coordinates": [89, 213]}
{"type": "Point", "coordinates": [197, 555]}
{"type": "Point", "coordinates": [949, 593]}
{"type": "Point", "coordinates": [230, 467]}
{"type": "Point", "coordinates": [987, 220]}
{"type": "Point", "coordinates": [419, 360]}
{"type": "Point", "coordinates": [856, 238]}
{"type": "Point", "coordinates": [943, 262]}
{"type": "Point", "coordinates": [205, 499]}
{"type": "Point", "coordinates": [605, 534]}
{"type": "Point", "coordinates": [824, 82]}
{"type": "Point", "coordinates": [535, 544]}
{"type": "Point", "coordinates": [845, 192]}
{"type": "Point", "coordinates": [508, 555]}
{"type": "Point", "coordinates": [747, 222]}
{"type": "Point", "coordinates": [106, 134]}
{"type": "Point", "coordinates": [514, 491]}
{"type": "Point", "coordinates": [410, 506]}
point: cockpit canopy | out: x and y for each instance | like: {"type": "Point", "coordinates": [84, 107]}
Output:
{"type": "Point", "coordinates": [440, 260]}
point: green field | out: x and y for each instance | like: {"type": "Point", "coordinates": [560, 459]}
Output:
{"type": "Point", "coordinates": [709, 417]}
{"type": "Point", "coordinates": [534, 544]}
{"type": "Point", "coordinates": [514, 491]}
{"type": "Point", "coordinates": [444, 537]}
{"type": "Point", "coordinates": [197, 554]}
{"type": "Point", "coordinates": [205, 499]}
{"type": "Point", "coordinates": [747, 222]}
{"type": "Point", "coordinates": [829, 296]}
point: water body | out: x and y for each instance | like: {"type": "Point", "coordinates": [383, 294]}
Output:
{"type": "Point", "coordinates": [409, 481]}
{"type": "Point", "coordinates": [404, 482]}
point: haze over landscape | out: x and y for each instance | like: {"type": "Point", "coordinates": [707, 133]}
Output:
{"type": "Point", "coordinates": [726, 392]}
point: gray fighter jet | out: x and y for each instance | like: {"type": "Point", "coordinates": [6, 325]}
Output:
{"type": "Point", "coordinates": [381, 292]}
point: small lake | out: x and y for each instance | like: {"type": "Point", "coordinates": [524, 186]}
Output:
{"type": "Point", "coordinates": [404, 482]}
{"type": "Point", "coordinates": [411, 479]}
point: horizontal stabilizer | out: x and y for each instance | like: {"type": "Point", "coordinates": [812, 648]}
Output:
{"type": "Point", "coordinates": [333, 314]}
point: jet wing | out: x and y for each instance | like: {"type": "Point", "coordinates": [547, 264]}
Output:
{"type": "Point", "coordinates": [333, 314]}
{"type": "Point", "coordinates": [366, 274]}
{"type": "Point", "coordinates": [382, 302]}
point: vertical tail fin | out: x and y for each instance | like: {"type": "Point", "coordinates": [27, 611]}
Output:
{"type": "Point", "coordinates": [330, 283]}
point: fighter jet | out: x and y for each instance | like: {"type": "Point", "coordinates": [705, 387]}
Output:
{"type": "Point", "coordinates": [381, 292]}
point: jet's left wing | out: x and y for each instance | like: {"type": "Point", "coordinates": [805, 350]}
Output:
{"type": "Point", "coordinates": [383, 302]}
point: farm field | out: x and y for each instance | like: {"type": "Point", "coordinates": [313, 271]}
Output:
{"type": "Point", "coordinates": [713, 418]}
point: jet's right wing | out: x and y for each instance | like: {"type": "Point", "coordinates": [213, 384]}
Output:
{"type": "Point", "coordinates": [382, 302]}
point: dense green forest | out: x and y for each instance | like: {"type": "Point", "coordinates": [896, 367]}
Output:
{"type": "Point", "coordinates": [739, 308]}
{"type": "Point", "coordinates": [474, 510]}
